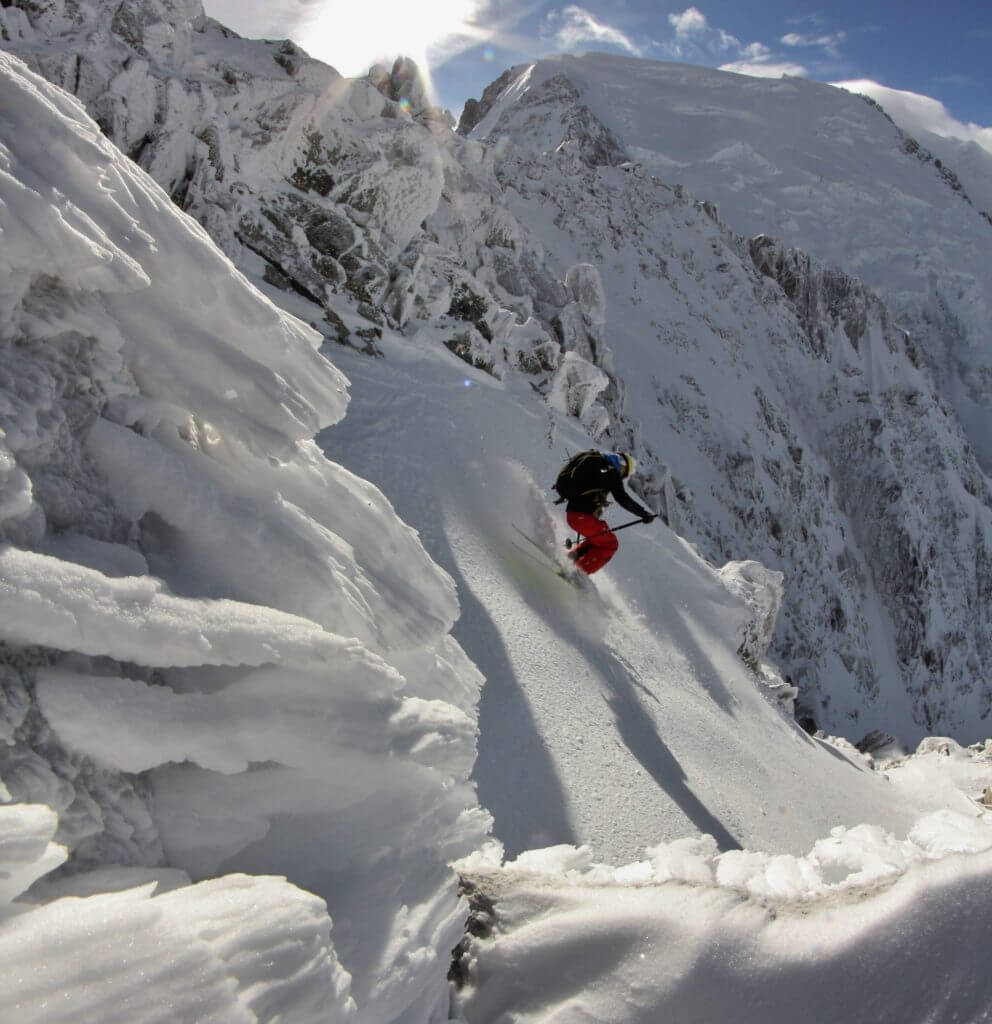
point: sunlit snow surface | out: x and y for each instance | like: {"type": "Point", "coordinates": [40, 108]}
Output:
{"type": "Point", "coordinates": [232, 658]}
{"type": "Point", "coordinates": [583, 944]}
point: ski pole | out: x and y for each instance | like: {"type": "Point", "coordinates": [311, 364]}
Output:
{"type": "Point", "coordinates": [606, 529]}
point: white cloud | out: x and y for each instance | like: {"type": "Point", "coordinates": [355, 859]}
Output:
{"type": "Point", "coordinates": [696, 39]}
{"type": "Point", "coordinates": [756, 52]}
{"type": "Point", "coordinates": [914, 113]}
{"type": "Point", "coordinates": [690, 22]}
{"type": "Point", "coordinates": [725, 41]}
{"type": "Point", "coordinates": [573, 26]}
{"type": "Point", "coordinates": [830, 42]}
{"type": "Point", "coordinates": [804, 19]}
{"type": "Point", "coordinates": [757, 61]}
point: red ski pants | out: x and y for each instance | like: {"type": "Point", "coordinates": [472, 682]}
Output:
{"type": "Point", "coordinates": [600, 544]}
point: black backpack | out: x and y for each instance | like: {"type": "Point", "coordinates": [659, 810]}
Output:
{"type": "Point", "coordinates": [582, 474]}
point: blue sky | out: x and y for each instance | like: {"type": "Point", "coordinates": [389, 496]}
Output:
{"type": "Point", "coordinates": [936, 50]}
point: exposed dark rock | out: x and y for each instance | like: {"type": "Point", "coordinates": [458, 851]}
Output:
{"type": "Point", "coordinates": [880, 745]}
{"type": "Point", "coordinates": [475, 110]}
{"type": "Point", "coordinates": [274, 276]}
{"type": "Point", "coordinates": [289, 57]}
{"type": "Point", "coordinates": [480, 924]}
{"type": "Point", "coordinates": [340, 328]}
{"type": "Point", "coordinates": [333, 236]}
{"type": "Point", "coordinates": [466, 305]}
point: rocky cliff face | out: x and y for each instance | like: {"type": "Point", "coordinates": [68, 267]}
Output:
{"type": "Point", "coordinates": [907, 482]}
{"type": "Point", "coordinates": [777, 412]}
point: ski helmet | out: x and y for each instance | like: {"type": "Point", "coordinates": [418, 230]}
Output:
{"type": "Point", "coordinates": [622, 462]}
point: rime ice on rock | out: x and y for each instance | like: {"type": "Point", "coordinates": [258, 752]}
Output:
{"type": "Point", "coordinates": [188, 578]}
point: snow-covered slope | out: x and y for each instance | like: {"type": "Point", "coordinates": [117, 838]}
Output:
{"type": "Point", "coordinates": [221, 652]}
{"type": "Point", "coordinates": [966, 149]}
{"type": "Point", "coordinates": [625, 712]}
{"type": "Point", "coordinates": [621, 717]}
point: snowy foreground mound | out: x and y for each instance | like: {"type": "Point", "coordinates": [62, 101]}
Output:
{"type": "Point", "coordinates": [583, 943]}
{"type": "Point", "coordinates": [221, 652]}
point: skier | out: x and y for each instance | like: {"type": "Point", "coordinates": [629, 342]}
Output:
{"type": "Point", "coordinates": [586, 482]}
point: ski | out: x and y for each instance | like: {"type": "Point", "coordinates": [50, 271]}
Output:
{"type": "Point", "coordinates": [539, 548]}
{"type": "Point", "coordinates": [545, 559]}
{"type": "Point", "coordinates": [559, 572]}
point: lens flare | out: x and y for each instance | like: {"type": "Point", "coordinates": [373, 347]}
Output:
{"type": "Point", "coordinates": [353, 37]}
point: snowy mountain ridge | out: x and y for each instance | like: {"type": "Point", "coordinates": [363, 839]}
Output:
{"type": "Point", "coordinates": [226, 657]}
{"type": "Point", "coordinates": [824, 170]}
{"type": "Point", "coordinates": [956, 146]}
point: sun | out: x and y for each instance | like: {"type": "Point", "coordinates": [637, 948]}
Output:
{"type": "Point", "coordinates": [355, 36]}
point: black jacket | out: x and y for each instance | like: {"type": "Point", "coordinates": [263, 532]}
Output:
{"type": "Point", "coordinates": [599, 478]}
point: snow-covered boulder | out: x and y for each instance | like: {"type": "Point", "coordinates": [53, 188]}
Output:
{"type": "Point", "coordinates": [761, 590]}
